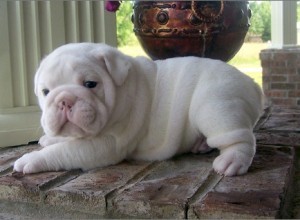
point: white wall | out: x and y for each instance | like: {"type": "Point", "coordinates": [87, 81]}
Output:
{"type": "Point", "coordinates": [29, 31]}
{"type": "Point", "coordinates": [284, 23]}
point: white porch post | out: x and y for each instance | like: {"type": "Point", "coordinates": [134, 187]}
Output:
{"type": "Point", "coordinates": [284, 23]}
{"type": "Point", "coordinates": [29, 31]}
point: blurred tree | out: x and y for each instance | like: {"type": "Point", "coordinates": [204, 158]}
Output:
{"type": "Point", "coordinates": [261, 19]}
{"type": "Point", "coordinates": [125, 32]}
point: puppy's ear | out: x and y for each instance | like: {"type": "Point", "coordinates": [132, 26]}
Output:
{"type": "Point", "coordinates": [117, 64]}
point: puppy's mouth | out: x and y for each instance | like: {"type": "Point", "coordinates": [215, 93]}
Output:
{"type": "Point", "coordinates": [72, 117]}
{"type": "Point", "coordinates": [76, 118]}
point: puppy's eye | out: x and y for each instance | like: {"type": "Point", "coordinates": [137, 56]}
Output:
{"type": "Point", "coordinates": [45, 91]}
{"type": "Point", "coordinates": [90, 84]}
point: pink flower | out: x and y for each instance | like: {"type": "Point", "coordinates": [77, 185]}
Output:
{"type": "Point", "coordinates": [112, 6]}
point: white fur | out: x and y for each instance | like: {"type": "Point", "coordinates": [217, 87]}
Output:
{"type": "Point", "coordinates": [140, 109]}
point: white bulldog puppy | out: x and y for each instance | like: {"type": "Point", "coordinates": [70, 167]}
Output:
{"type": "Point", "coordinates": [101, 107]}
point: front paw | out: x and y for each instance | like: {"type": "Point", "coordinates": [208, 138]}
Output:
{"type": "Point", "coordinates": [48, 140]}
{"type": "Point", "coordinates": [31, 163]}
{"type": "Point", "coordinates": [45, 141]}
{"type": "Point", "coordinates": [232, 162]}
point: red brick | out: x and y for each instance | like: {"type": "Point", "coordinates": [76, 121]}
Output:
{"type": "Point", "coordinates": [291, 71]}
{"type": "Point", "coordinates": [27, 188]}
{"type": "Point", "coordinates": [9, 155]}
{"type": "Point", "coordinates": [166, 191]}
{"type": "Point", "coordinates": [284, 101]}
{"type": "Point", "coordinates": [278, 63]}
{"type": "Point", "coordinates": [266, 78]}
{"type": "Point", "coordinates": [258, 194]}
{"type": "Point", "coordinates": [294, 78]}
{"type": "Point", "coordinates": [292, 62]}
{"type": "Point", "coordinates": [247, 205]}
{"type": "Point", "coordinates": [283, 86]}
{"type": "Point", "coordinates": [178, 188]}
{"type": "Point", "coordinates": [292, 59]}
{"type": "Point", "coordinates": [276, 93]}
{"type": "Point", "coordinates": [266, 71]}
{"type": "Point", "coordinates": [296, 213]}
{"type": "Point", "coordinates": [88, 192]}
{"type": "Point", "coordinates": [294, 94]}
{"type": "Point", "coordinates": [281, 56]}
{"type": "Point", "coordinates": [266, 86]}
{"type": "Point", "coordinates": [265, 63]}
{"type": "Point", "coordinates": [266, 55]}
{"type": "Point", "coordinates": [279, 78]}
{"type": "Point", "coordinates": [277, 70]}
{"type": "Point", "coordinates": [282, 127]}
{"type": "Point", "coordinates": [283, 111]}
{"type": "Point", "coordinates": [281, 70]}
{"type": "Point", "coordinates": [290, 138]}
{"type": "Point", "coordinates": [282, 120]}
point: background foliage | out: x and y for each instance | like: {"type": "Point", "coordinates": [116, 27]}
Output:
{"type": "Point", "coordinates": [261, 20]}
{"type": "Point", "coordinates": [124, 25]}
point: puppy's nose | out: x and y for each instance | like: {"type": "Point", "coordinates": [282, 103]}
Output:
{"type": "Point", "coordinates": [66, 104]}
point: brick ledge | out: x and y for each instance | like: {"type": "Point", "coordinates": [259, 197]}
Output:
{"type": "Point", "coordinates": [183, 187]}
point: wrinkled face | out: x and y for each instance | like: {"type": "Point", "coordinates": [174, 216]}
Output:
{"type": "Point", "coordinates": [76, 92]}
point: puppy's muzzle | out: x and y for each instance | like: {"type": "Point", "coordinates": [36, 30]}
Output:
{"type": "Point", "coordinates": [66, 104]}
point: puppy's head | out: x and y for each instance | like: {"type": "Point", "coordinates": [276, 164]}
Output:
{"type": "Point", "coordinates": [76, 87]}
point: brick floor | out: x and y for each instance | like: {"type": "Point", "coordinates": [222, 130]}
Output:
{"type": "Point", "coordinates": [183, 187]}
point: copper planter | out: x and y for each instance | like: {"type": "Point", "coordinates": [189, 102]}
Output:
{"type": "Point", "coordinates": [214, 29]}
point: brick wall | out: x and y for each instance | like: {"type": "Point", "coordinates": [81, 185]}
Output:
{"type": "Point", "coordinates": [281, 75]}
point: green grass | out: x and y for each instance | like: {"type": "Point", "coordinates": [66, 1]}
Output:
{"type": "Point", "coordinates": [248, 55]}
{"type": "Point", "coordinates": [247, 59]}
{"type": "Point", "coordinates": [256, 76]}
